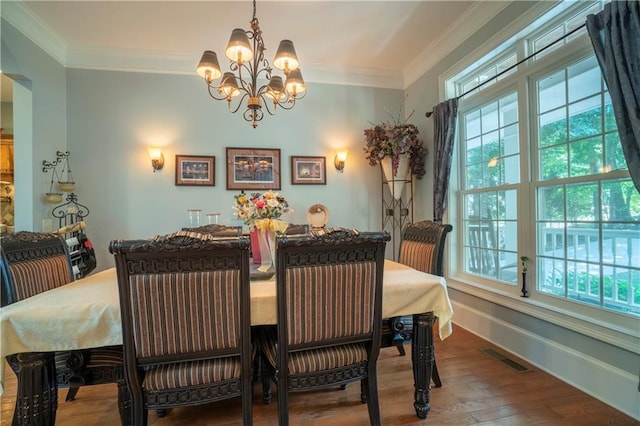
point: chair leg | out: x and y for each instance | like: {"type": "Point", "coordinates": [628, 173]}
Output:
{"type": "Point", "coordinates": [247, 408]}
{"type": "Point", "coordinates": [266, 385]}
{"type": "Point", "coordinates": [397, 326]}
{"type": "Point", "coordinates": [140, 416]}
{"type": "Point", "coordinates": [435, 376]}
{"type": "Point", "coordinates": [124, 404]}
{"type": "Point", "coordinates": [372, 397]}
{"type": "Point", "coordinates": [399, 344]}
{"type": "Point", "coordinates": [283, 402]}
{"type": "Point", "coordinates": [73, 391]}
{"type": "Point", "coordinates": [163, 413]}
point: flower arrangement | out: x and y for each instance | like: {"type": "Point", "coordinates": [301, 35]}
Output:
{"type": "Point", "coordinates": [262, 210]}
{"type": "Point", "coordinates": [393, 138]}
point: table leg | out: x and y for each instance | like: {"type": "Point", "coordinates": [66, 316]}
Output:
{"type": "Point", "coordinates": [37, 396]}
{"type": "Point", "coordinates": [422, 356]}
{"type": "Point", "coordinates": [124, 404]}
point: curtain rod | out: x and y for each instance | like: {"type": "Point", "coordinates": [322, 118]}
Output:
{"type": "Point", "coordinates": [428, 113]}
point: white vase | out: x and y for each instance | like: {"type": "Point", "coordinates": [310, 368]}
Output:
{"type": "Point", "coordinates": [396, 183]}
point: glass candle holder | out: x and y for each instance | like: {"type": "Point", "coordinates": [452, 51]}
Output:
{"type": "Point", "coordinates": [194, 217]}
{"type": "Point", "coordinates": [213, 218]}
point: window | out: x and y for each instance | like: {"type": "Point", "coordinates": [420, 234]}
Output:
{"type": "Point", "coordinates": [492, 163]}
{"type": "Point", "coordinates": [540, 157]}
{"type": "Point", "coordinates": [566, 24]}
{"type": "Point", "coordinates": [486, 76]}
{"type": "Point", "coordinates": [588, 234]}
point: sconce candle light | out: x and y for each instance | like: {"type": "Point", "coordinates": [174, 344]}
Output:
{"type": "Point", "coordinates": [157, 159]}
{"type": "Point", "coordinates": [339, 160]}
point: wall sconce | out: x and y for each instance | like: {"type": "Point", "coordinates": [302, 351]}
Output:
{"type": "Point", "coordinates": [157, 159]}
{"type": "Point", "coordinates": [339, 160]}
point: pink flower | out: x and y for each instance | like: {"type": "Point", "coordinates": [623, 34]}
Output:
{"type": "Point", "coordinates": [260, 204]}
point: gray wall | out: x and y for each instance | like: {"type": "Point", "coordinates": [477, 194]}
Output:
{"type": "Point", "coordinates": [114, 116]}
{"type": "Point", "coordinates": [39, 120]}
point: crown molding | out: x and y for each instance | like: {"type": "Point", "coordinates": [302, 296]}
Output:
{"type": "Point", "coordinates": [131, 60]}
{"type": "Point", "coordinates": [354, 76]}
{"type": "Point", "coordinates": [474, 18]}
{"type": "Point", "coordinates": [35, 29]}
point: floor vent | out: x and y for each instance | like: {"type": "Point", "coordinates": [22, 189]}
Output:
{"type": "Point", "coordinates": [506, 361]}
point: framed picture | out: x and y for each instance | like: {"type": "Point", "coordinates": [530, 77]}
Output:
{"type": "Point", "coordinates": [195, 170]}
{"type": "Point", "coordinates": [308, 170]}
{"type": "Point", "coordinates": [253, 168]}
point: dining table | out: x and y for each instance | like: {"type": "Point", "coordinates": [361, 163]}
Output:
{"type": "Point", "coordinates": [86, 314]}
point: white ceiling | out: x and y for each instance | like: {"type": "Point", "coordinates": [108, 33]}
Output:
{"type": "Point", "coordinates": [374, 43]}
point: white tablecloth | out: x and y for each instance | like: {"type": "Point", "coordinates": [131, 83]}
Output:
{"type": "Point", "coordinates": [86, 313]}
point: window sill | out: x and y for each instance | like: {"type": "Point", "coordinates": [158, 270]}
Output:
{"type": "Point", "coordinates": [610, 327]}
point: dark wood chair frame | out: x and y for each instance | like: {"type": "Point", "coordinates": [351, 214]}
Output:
{"type": "Point", "coordinates": [398, 330]}
{"type": "Point", "coordinates": [296, 229]}
{"type": "Point", "coordinates": [70, 368]}
{"type": "Point", "coordinates": [217, 230]}
{"type": "Point", "coordinates": [175, 253]}
{"type": "Point", "coordinates": [326, 247]}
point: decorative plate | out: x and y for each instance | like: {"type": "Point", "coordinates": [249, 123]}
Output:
{"type": "Point", "coordinates": [317, 216]}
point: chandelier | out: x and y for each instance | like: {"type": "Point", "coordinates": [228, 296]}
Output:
{"type": "Point", "coordinates": [247, 66]}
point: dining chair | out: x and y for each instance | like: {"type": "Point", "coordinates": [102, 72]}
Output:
{"type": "Point", "coordinates": [295, 229]}
{"type": "Point", "coordinates": [329, 303]}
{"type": "Point", "coordinates": [217, 230]}
{"type": "Point", "coordinates": [32, 263]}
{"type": "Point", "coordinates": [185, 307]}
{"type": "Point", "coordinates": [422, 248]}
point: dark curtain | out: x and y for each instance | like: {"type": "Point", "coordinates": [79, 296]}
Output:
{"type": "Point", "coordinates": [615, 35]}
{"type": "Point", "coordinates": [444, 129]}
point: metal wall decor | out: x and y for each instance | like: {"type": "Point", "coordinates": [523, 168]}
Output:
{"type": "Point", "coordinates": [61, 181]}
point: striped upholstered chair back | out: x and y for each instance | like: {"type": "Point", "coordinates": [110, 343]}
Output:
{"type": "Point", "coordinates": [32, 263]}
{"type": "Point", "coordinates": [329, 293]}
{"type": "Point", "coordinates": [422, 246]}
{"type": "Point", "coordinates": [184, 301]}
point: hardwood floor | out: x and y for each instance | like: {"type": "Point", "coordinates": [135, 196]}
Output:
{"type": "Point", "coordinates": [477, 390]}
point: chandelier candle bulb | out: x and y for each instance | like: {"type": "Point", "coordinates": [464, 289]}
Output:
{"type": "Point", "coordinates": [238, 48]}
{"type": "Point", "coordinates": [208, 68]}
{"type": "Point", "coordinates": [286, 58]}
{"type": "Point", "coordinates": [295, 83]}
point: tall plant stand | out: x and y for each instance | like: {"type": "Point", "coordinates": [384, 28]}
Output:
{"type": "Point", "coordinates": [397, 209]}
